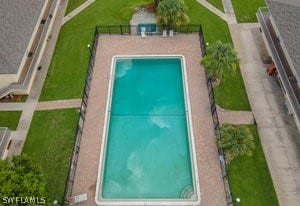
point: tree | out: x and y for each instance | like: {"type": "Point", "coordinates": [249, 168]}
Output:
{"type": "Point", "coordinates": [171, 13]}
{"type": "Point", "coordinates": [21, 177]}
{"type": "Point", "coordinates": [220, 57]}
{"type": "Point", "coordinates": [236, 141]}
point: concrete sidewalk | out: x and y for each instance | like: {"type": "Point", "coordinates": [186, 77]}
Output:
{"type": "Point", "coordinates": [14, 106]}
{"type": "Point", "coordinates": [228, 16]}
{"type": "Point", "coordinates": [229, 11]}
{"type": "Point", "coordinates": [277, 130]}
{"type": "Point", "coordinates": [60, 104]}
{"type": "Point", "coordinates": [77, 11]}
{"type": "Point", "coordinates": [213, 9]}
{"type": "Point", "coordinates": [18, 137]}
{"type": "Point", "coordinates": [235, 117]}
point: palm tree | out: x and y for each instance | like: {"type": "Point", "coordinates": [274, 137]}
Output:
{"type": "Point", "coordinates": [171, 13]}
{"type": "Point", "coordinates": [236, 141]}
{"type": "Point", "coordinates": [220, 57]}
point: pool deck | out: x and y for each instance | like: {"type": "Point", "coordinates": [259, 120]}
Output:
{"type": "Point", "coordinates": [211, 184]}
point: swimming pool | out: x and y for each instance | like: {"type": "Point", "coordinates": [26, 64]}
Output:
{"type": "Point", "coordinates": [147, 155]}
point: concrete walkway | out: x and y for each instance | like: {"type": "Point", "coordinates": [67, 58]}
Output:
{"type": "Point", "coordinates": [18, 137]}
{"type": "Point", "coordinates": [77, 11]}
{"type": "Point", "coordinates": [277, 130]}
{"type": "Point", "coordinates": [234, 117]}
{"type": "Point", "coordinates": [17, 106]}
{"type": "Point", "coordinates": [60, 104]}
{"type": "Point", "coordinates": [213, 9]}
{"type": "Point", "coordinates": [229, 11]}
{"type": "Point", "coordinates": [228, 16]}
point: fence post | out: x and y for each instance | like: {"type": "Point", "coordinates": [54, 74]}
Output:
{"type": "Point", "coordinates": [200, 29]}
{"type": "Point", "coordinates": [96, 31]}
{"type": "Point", "coordinates": [109, 30]}
{"type": "Point", "coordinates": [121, 29]}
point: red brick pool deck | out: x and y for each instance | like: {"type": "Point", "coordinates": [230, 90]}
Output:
{"type": "Point", "coordinates": [210, 178]}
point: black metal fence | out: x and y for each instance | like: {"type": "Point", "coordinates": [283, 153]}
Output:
{"type": "Point", "coordinates": [149, 29]}
{"type": "Point", "coordinates": [214, 113]}
{"type": "Point", "coordinates": [201, 40]}
{"type": "Point", "coordinates": [222, 159]}
{"type": "Point", "coordinates": [82, 113]}
{"type": "Point", "coordinates": [132, 30]}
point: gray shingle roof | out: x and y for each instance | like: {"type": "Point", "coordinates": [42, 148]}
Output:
{"type": "Point", "coordinates": [17, 21]}
{"type": "Point", "coordinates": [286, 14]}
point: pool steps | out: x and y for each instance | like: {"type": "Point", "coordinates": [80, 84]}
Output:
{"type": "Point", "coordinates": [187, 192]}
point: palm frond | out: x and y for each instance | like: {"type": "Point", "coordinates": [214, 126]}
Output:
{"type": "Point", "coordinates": [222, 57]}
{"type": "Point", "coordinates": [236, 141]}
{"type": "Point", "coordinates": [173, 13]}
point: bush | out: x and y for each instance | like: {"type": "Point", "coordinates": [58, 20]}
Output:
{"type": "Point", "coordinates": [21, 178]}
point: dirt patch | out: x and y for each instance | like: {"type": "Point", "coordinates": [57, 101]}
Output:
{"type": "Point", "coordinates": [142, 15]}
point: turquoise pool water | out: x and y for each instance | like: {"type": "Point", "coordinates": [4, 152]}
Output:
{"type": "Point", "coordinates": [147, 152]}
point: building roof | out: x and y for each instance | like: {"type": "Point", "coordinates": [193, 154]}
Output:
{"type": "Point", "coordinates": [18, 19]}
{"type": "Point", "coordinates": [286, 14]}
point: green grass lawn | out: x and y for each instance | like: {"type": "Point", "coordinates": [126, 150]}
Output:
{"type": "Point", "coordinates": [214, 28]}
{"type": "Point", "coordinates": [10, 119]}
{"type": "Point", "coordinates": [231, 93]}
{"type": "Point", "coordinates": [250, 179]}
{"type": "Point", "coordinates": [66, 75]}
{"type": "Point", "coordinates": [50, 142]}
{"type": "Point", "coordinates": [245, 9]}
{"type": "Point", "coordinates": [73, 4]}
{"type": "Point", "coordinates": [216, 3]}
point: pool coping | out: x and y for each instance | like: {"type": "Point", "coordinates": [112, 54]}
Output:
{"type": "Point", "coordinates": [191, 138]}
